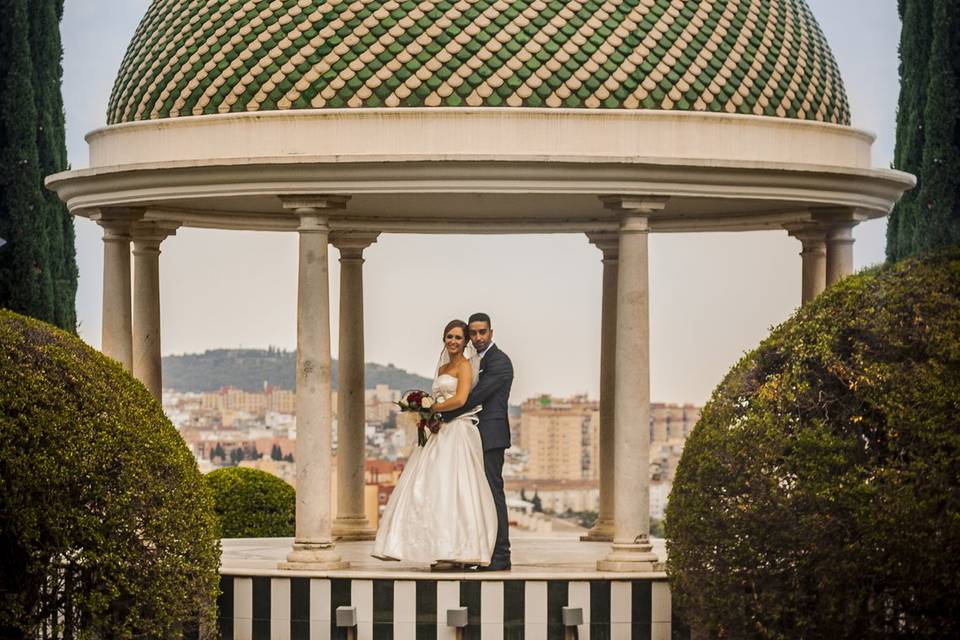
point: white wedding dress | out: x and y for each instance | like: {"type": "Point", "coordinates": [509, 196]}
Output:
{"type": "Point", "coordinates": [442, 508]}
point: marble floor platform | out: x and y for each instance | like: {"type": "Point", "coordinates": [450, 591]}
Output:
{"type": "Point", "coordinates": [536, 556]}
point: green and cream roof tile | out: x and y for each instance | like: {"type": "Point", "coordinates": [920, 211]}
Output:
{"type": "Point", "coordinates": [761, 57]}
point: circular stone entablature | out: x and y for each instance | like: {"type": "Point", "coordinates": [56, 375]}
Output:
{"type": "Point", "coordinates": [492, 111]}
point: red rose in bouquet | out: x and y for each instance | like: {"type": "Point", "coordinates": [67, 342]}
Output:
{"type": "Point", "coordinates": [422, 403]}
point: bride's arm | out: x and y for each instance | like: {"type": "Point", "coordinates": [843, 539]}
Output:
{"type": "Point", "coordinates": [464, 383]}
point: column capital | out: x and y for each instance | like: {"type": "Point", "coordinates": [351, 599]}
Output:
{"type": "Point", "coordinates": [810, 233]}
{"type": "Point", "coordinates": [635, 204]}
{"type": "Point", "coordinates": [147, 236]}
{"type": "Point", "coordinates": [839, 222]}
{"type": "Point", "coordinates": [840, 234]}
{"type": "Point", "coordinates": [313, 210]}
{"type": "Point", "coordinates": [116, 231]}
{"type": "Point", "coordinates": [306, 205]}
{"type": "Point", "coordinates": [608, 242]}
{"type": "Point", "coordinates": [634, 222]}
{"type": "Point", "coordinates": [116, 221]}
{"type": "Point", "coordinates": [838, 216]}
{"type": "Point", "coordinates": [352, 243]}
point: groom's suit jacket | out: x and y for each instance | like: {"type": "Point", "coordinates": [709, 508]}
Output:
{"type": "Point", "coordinates": [493, 392]}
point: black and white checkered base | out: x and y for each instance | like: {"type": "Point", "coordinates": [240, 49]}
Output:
{"type": "Point", "coordinates": [279, 608]}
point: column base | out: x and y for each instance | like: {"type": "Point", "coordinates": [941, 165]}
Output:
{"type": "Point", "coordinates": [313, 556]}
{"type": "Point", "coordinates": [353, 528]}
{"type": "Point", "coordinates": [602, 531]}
{"type": "Point", "coordinates": [631, 558]}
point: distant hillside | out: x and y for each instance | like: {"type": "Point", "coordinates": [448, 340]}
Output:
{"type": "Point", "coordinates": [248, 369]}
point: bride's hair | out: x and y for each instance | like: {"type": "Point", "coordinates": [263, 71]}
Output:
{"type": "Point", "coordinates": [455, 323]}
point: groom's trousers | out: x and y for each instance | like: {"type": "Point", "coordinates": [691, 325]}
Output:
{"type": "Point", "coordinates": [493, 467]}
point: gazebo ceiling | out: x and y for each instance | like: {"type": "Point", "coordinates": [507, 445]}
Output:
{"type": "Point", "coordinates": [760, 57]}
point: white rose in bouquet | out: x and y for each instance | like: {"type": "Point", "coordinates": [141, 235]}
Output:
{"type": "Point", "coordinates": [427, 402]}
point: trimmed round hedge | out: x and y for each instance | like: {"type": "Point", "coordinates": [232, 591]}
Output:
{"type": "Point", "coordinates": [819, 494]}
{"type": "Point", "coordinates": [252, 503]}
{"type": "Point", "coordinates": [104, 517]}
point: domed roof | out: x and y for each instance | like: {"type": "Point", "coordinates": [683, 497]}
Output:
{"type": "Point", "coordinates": [762, 57]}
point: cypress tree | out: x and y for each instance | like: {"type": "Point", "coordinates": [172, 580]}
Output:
{"type": "Point", "coordinates": [938, 213]}
{"type": "Point", "coordinates": [25, 280]}
{"type": "Point", "coordinates": [47, 52]}
{"type": "Point", "coordinates": [928, 128]}
{"type": "Point", "coordinates": [908, 156]}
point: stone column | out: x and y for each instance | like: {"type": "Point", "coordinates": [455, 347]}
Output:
{"type": "Point", "coordinates": [631, 550]}
{"type": "Point", "coordinates": [839, 224]}
{"type": "Point", "coordinates": [351, 522]}
{"type": "Point", "coordinates": [812, 237]}
{"type": "Point", "coordinates": [313, 546]}
{"type": "Point", "coordinates": [147, 237]}
{"type": "Point", "coordinates": [609, 244]}
{"type": "Point", "coordinates": [117, 321]}
{"type": "Point", "coordinates": [839, 253]}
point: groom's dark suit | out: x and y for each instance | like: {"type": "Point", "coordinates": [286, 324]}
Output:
{"type": "Point", "coordinates": [493, 392]}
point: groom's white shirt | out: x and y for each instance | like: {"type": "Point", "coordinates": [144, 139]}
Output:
{"type": "Point", "coordinates": [484, 352]}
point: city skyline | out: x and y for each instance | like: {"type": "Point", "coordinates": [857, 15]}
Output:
{"type": "Point", "coordinates": [555, 446]}
{"type": "Point", "coordinates": [712, 296]}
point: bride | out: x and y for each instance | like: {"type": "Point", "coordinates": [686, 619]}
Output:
{"type": "Point", "coordinates": [442, 510]}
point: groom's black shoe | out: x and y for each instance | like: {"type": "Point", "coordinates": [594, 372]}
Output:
{"type": "Point", "coordinates": [496, 565]}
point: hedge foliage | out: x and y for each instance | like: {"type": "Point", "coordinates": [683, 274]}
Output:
{"type": "Point", "coordinates": [104, 517]}
{"type": "Point", "coordinates": [252, 503]}
{"type": "Point", "coordinates": [818, 496]}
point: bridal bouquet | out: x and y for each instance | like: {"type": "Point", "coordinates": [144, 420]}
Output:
{"type": "Point", "coordinates": [421, 403]}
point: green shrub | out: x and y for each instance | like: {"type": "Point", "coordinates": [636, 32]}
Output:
{"type": "Point", "coordinates": [104, 517]}
{"type": "Point", "coordinates": [819, 495]}
{"type": "Point", "coordinates": [252, 503]}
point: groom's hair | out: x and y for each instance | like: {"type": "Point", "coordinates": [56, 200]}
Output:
{"type": "Point", "coordinates": [480, 317]}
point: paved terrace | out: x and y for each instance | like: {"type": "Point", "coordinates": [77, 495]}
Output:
{"type": "Point", "coordinates": [536, 556]}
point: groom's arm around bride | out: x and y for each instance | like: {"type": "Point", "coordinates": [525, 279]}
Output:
{"type": "Point", "coordinates": [492, 392]}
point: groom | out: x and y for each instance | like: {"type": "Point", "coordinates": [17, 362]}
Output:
{"type": "Point", "coordinates": [493, 392]}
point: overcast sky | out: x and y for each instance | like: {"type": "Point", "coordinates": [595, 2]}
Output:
{"type": "Point", "coordinates": [713, 296]}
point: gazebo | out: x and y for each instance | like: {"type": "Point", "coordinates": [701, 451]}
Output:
{"type": "Point", "coordinates": [340, 120]}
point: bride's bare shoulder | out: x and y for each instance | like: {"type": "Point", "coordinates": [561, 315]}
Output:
{"type": "Point", "coordinates": [450, 369]}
